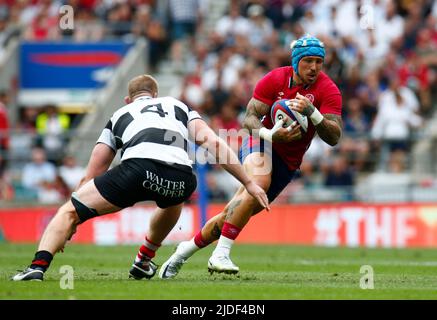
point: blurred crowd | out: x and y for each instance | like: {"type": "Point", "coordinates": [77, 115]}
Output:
{"type": "Point", "coordinates": [34, 163]}
{"type": "Point", "coordinates": [382, 54]}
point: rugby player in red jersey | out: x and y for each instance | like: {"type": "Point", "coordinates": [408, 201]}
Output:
{"type": "Point", "coordinates": [310, 92]}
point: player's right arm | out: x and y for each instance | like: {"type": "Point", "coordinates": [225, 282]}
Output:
{"type": "Point", "coordinates": [100, 160]}
{"type": "Point", "coordinates": [102, 155]}
{"type": "Point", "coordinates": [204, 136]}
{"type": "Point", "coordinates": [255, 110]}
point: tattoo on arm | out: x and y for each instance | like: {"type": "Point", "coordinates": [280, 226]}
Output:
{"type": "Point", "coordinates": [230, 209]}
{"type": "Point", "coordinates": [329, 130]}
{"type": "Point", "coordinates": [216, 231]}
{"type": "Point", "coordinates": [308, 110]}
{"type": "Point", "coordinates": [255, 110]}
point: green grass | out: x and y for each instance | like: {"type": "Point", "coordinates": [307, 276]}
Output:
{"type": "Point", "coordinates": [266, 272]}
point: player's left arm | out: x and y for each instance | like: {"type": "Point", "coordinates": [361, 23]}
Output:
{"type": "Point", "coordinates": [204, 136]}
{"type": "Point", "coordinates": [329, 130]}
{"type": "Point", "coordinates": [328, 126]}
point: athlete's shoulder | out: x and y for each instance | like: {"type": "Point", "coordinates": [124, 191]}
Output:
{"type": "Point", "coordinates": [169, 99]}
{"type": "Point", "coordinates": [273, 81]}
{"type": "Point", "coordinates": [327, 85]}
{"type": "Point", "coordinates": [172, 101]}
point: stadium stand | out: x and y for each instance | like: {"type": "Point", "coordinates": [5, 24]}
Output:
{"type": "Point", "coordinates": [381, 54]}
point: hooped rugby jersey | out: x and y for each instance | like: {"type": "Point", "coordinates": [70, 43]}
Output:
{"type": "Point", "coordinates": [151, 128]}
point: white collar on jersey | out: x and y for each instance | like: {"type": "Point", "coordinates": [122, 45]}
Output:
{"type": "Point", "coordinates": [143, 98]}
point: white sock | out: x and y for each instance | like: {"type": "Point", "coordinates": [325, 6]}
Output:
{"type": "Point", "coordinates": [224, 246]}
{"type": "Point", "coordinates": [187, 248]}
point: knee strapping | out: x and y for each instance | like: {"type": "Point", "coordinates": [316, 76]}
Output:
{"type": "Point", "coordinates": [84, 212]}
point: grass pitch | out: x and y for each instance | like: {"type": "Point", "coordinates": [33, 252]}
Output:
{"type": "Point", "coordinates": [266, 273]}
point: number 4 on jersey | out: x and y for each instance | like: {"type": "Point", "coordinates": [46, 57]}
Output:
{"type": "Point", "coordinates": [158, 110]}
{"type": "Point", "coordinates": [179, 113]}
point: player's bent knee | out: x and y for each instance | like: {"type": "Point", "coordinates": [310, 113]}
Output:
{"type": "Point", "coordinates": [73, 217]}
{"type": "Point", "coordinates": [83, 211]}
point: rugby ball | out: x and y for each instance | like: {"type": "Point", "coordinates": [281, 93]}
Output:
{"type": "Point", "coordinates": [281, 111]}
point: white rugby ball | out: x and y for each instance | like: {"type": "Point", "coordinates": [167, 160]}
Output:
{"type": "Point", "coordinates": [281, 111]}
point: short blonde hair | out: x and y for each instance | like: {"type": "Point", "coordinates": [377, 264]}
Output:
{"type": "Point", "coordinates": [142, 84]}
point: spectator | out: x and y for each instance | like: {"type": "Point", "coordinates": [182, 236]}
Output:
{"type": "Point", "coordinates": [120, 20]}
{"type": "Point", "coordinates": [224, 75]}
{"type": "Point", "coordinates": [261, 28]}
{"type": "Point", "coordinates": [397, 162]}
{"type": "Point", "coordinates": [373, 49]}
{"type": "Point", "coordinates": [23, 138]}
{"type": "Point", "coordinates": [396, 116]}
{"type": "Point", "coordinates": [413, 23]}
{"type": "Point", "coordinates": [346, 18]}
{"type": "Point", "coordinates": [368, 94]}
{"type": "Point", "coordinates": [87, 27]}
{"type": "Point", "coordinates": [228, 121]}
{"type": "Point", "coordinates": [334, 67]}
{"type": "Point", "coordinates": [274, 10]}
{"type": "Point", "coordinates": [216, 192]}
{"type": "Point", "coordinates": [38, 174]}
{"type": "Point", "coordinates": [340, 179]}
{"type": "Point", "coordinates": [315, 26]}
{"type": "Point", "coordinates": [315, 159]}
{"type": "Point", "coordinates": [391, 26]}
{"type": "Point", "coordinates": [53, 192]}
{"type": "Point", "coordinates": [356, 123]}
{"type": "Point", "coordinates": [70, 172]}
{"type": "Point", "coordinates": [355, 144]}
{"type": "Point", "coordinates": [415, 75]}
{"type": "Point", "coordinates": [184, 15]}
{"type": "Point", "coordinates": [426, 48]}
{"type": "Point", "coordinates": [146, 25]}
{"type": "Point", "coordinates": [231, 25]}
{"type": "Point", "coordinates": [339, 174]}
{"type": "Point", "coordinates": [51, 126]}
{"type": "Point", "coordinates": [43, 26]}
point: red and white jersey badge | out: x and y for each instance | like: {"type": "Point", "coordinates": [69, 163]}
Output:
{"type": "Point", "coordinates": [310, 97]}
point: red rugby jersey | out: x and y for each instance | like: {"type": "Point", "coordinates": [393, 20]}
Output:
{"type": "Point", "coordinates": [276, 85]}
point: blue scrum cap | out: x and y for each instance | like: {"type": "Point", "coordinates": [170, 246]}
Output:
{"type": "Point", "coordinates": [304, 47]}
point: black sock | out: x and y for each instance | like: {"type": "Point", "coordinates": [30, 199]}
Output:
{"type": "Point", "coordinates": [42, 260]}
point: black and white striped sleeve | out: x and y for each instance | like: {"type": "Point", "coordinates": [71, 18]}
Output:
{"type": "Point", "coordinates": [107, 137]}
{"type": "Point", "coordinates": [192, 114]}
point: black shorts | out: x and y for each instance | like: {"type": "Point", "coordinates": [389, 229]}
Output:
{"type": "Point", "coordinates": [136, 180]}
{"type": "Point", "coordinates": [281, 176]}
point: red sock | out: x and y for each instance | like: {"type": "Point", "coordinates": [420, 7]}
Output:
{"type": "Point", "coordinates": [199, 241]}
{"type": "Point", "coordinates": [147, 250]}
{"type": "Point", "coordinates": [230, 231]}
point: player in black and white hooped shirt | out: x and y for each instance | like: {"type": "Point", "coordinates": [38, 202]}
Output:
{"type": "Point", "coordinates": [153, 135]}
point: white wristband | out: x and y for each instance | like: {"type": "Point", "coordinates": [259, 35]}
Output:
{"type": "Point", "coordinates": [266, 134]}
{"type": "Point", "coordinates": [316, 117]}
